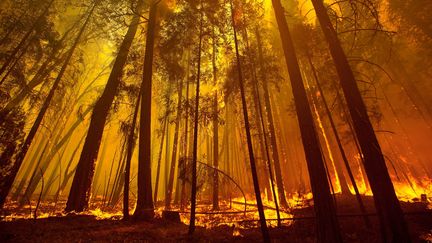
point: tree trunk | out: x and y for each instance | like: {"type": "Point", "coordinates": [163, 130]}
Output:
{"type": "Point", "coordinates": [267, 153]}
{"type": "Point", "coordinates": [390, 213]}
{"type": "Point", "coordinates": [80, 190]}
{"type": "Point", "coordinates": [185, 147]}
{"type": "Point", "coordinates": [332, 161]}
{"type": "Point", "coordinates": [120, 177]}
{"type": "Point", "coordinates": [215, 128]}
{"type": "Point", "coordinates": [53, 175]}
{"type": "Point", "coordinates": [263, 180]}
{"type": "Point", "coordinates": [130, 148]}
{"type": "Point", "coordinates": [264, 230]}
{"type": "Point", "coordinates": [144, 208]}
{"type": "Point", "coordinates": [326, 221]}
{"type": "Point", "coordinates": [169, 190]}
{"type": "Point", "coordinates": [195, 132]}
{"type": "Point", "coordinates": [164, 128]}
{"type": "Point", "coordinates": [275, 153]}
{"type": "Point", "coordinates": [339, 144]}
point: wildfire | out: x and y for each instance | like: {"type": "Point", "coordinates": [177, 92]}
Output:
{"type": "Point", "coordinates": [244, 215]}
{"type": "Point", "coordinates": [413, 191]}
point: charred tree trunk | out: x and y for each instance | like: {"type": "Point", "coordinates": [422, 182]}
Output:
{"type": "Point", "coordinates": [326, 221]}
{"type": "Point", "coordinates": [183, 162]}
{"type": "Point", "coordinates": [354, 139]}
{"type": "Point", "coordinates": [215, 129]}
{"type": "Point", "coordinates": [130, 148]}
{"type": "Point", "coordinates": [53, 175]}
{"type": "Point", "coordinates": [80, 190]}
{"type": "Point", "coordinates": [332, 161]}
{"type": "Point", "coordinates": [261, 164]}
{"type": "Point", "coordinates": [263, 180]}
{"type": "Point", "coordinates": [195, 131]}
{"type": "Point", "coordinates": [262, 127]}
{"type": "Point", "coordinates": [169, 190]}
{"type": "Point", "coordinates": [339, 144]}
{"type": "Point", "coordinates": [144, 208]}
{"type": "Point", "coordinates": [390, 213]}
{"type": "Point", "coordinates": [267, 152]}
{"type": "Point", "coordinates": [164, 128]}
{"type": "Point", "coordinates": [264, 229]}
{"type": "Point", "coordinates": [275, 151]}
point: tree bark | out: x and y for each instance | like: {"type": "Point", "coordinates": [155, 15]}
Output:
{"type": "Point", "coordinates": [267, 152]}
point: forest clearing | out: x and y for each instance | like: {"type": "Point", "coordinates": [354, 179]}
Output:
{"type": "Point", "coordinates": [215, 121]}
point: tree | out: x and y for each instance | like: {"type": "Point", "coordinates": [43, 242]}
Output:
{"type": "Point", "coordinates": [80, 190]}
{"type": "Point", "coordinates": [144, 208]}
{"type": "Point", "coordinates": [169, 190]}
{"type": "Point", "coordinates": [40, 76]}
{"type": "Point", "coordinates": [195, 131]}
{"type": "Point", "coordinates": [24, 39]}
{"type": "Point", "coordinates": [264, 230]}
{"type": "Point", "coordinates": [9, 179]}
{"type": "Point", "coordinates": [215, 127]}
{"type": "Point", "coordinates": [326, 221]}
{"type": "Point", "coordinates": [390, 213]}
{"type": "Point", "coordinates": [272, 131]}
{"type": "Point", "coordinates": [130, 147]}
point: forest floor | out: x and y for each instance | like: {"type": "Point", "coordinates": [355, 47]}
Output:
{"type": "Point", "coordinates": [92, 226]}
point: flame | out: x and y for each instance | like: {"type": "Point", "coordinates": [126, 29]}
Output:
{"type": "Point", "coordinates": [236, 232]}
{"type": "Point", "coordinates": [100, 214]}
{"type": "Point", "coordinates": [233, 213]}
{"type": "Point", "coordinates": [411, 192]}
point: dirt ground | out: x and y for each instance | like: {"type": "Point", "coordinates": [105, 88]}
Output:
{"type": "Point", "coordinates": [88, 228]}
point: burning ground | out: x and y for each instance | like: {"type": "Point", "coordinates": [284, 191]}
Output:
{"type": "Point", "coordinates": [230, 223]}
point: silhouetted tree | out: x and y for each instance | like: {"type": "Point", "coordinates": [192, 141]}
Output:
{"type": "Point", "coordinates": [391, 217]}
{"type": "Point", "coordinates": [327, 223]}
{"type": "Point", "coordinates": [80, 190]}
